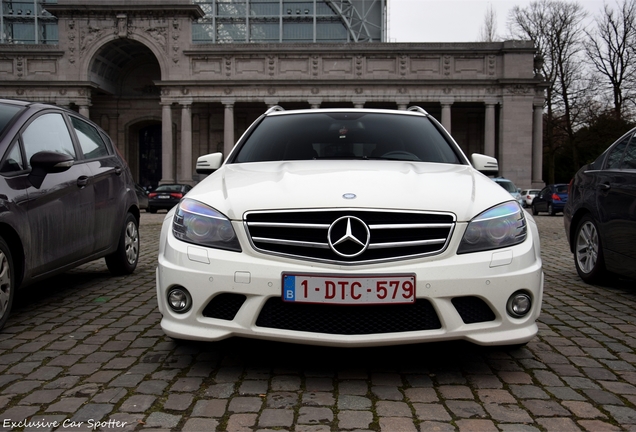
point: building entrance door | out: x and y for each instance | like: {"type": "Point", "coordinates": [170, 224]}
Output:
{"type": "Point", "coordinates": [150, 156]}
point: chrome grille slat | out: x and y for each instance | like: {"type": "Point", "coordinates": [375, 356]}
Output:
{"type": "Point", "coordinates": [288, 225]}
{"type": "Point", "coordinates": [393, 235]}
{"type": "Point", "coordinates": [406, 243]}
{"type": "Point", "coordinates": [291, 242]}
{"type": "Point", "coordinates": [409, 226]}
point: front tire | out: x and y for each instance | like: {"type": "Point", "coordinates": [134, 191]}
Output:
{"type": "Point", "coordinates": [534, 210]}
{"type": "Point", "coordinates": [124, 259]}
{"type": "Point", "coordinates": [551, 210]}
{"type": "Point", "coordinates": [7, 284]}
{"type": "Point", "coordinates": [588, 251]}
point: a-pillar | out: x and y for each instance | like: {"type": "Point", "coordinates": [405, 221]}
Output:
{"type": "Point", "coordinates": [228, 128]}
{"type": "Point", "coordinates": [489, 129]}
{"type": "Point", "coordinates": [446, 114]}
{"type": "Point", "coordinates": [537, 145]}
{"type": "Point", "coordinates": [167, 174]}
{"type": "Point", "coordinates": [185, 172]}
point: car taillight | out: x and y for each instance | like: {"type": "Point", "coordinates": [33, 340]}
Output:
{"type": "Point", "coordinates": [570, 186]}
{"type": "Point", "coordinates": [555, 197]}
{"type": "Point", "coordinates": [152, 194]}
{"type": "Point", "coordinates": [177, 195]}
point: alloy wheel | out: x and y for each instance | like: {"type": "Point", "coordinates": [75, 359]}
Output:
{"type": "Point", "coordinates": [131, 240]}
{"type": "Point", "coordinates": [587, 247]}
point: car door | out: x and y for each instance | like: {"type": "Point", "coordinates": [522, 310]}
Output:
{"type": "Point", "coordinates": [108, 183]}
{"type": "Point", "coordinates": [617, 202]}
{"type": "Point", "coordinates": [60, 211]}
{"type": "Point", "coordinates": [540, 202]}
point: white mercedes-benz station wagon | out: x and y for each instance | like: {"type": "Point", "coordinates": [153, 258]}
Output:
{"type": "Point", "coordinates": [349, 227]}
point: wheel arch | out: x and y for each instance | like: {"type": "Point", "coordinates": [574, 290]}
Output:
{"type": "Point", "coordinates": [16, 247]}
{"type": "Point", "coordinates": [576, 218]}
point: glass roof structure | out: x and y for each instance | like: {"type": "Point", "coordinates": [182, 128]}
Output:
{"type": "Point", "coordinates": [230, 21]}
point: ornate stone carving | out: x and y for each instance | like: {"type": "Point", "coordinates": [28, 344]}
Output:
{"type": "Point", "coordinates": [122, 25]}
{"type": "Point", "coordinates": [447, 65]}
{"type": "Point", "coordinates": [492, 65]}
{"type": "Point", "coordinates": [158, 34]}
{"type": "Point", "coordinates": [19, 66]}
{"type": "Point", "coordinates": [176, 29]}
{"type": "Point", "coordinates": [518, 90]}
{"type": "Point", "coordinates": [87, 37]}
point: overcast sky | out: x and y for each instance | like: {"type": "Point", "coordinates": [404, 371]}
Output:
{"type": "Point", "coordinates": [455, 20]}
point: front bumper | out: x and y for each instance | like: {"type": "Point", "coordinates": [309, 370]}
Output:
{"type": "Point", "coordinates": [254, 278]}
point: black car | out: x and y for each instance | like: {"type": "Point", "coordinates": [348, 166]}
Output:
{"type": "Point", "coordinates": [600, 215]}
{"type": "Point", "coordinates": [66, 197]}
{"type": "Point", "coordinates": [551, 199]}
{"type": "Point", "coordinates": [166, 196]}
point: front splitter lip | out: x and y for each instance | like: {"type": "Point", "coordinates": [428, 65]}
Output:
{"type": "Point", "coordinates": [485, 338]}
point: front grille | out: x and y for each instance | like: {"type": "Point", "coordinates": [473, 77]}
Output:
{"type": "Point", "coordinates": [348, 320]}
{"type": "Point", "coordinates": [473, 310]}
{"type": "Point", "coordinates": [391, 235]}
{"type": "Point", "coordinates": [224, 306]}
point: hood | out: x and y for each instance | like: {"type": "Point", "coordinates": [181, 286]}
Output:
{"type": "Point", "coordinates": [237, 188]}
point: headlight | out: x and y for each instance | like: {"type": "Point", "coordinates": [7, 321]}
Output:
{"type": "Point", "coordinates": [194, 222]}
{"type": "Point", "coordinates": [498, 227]}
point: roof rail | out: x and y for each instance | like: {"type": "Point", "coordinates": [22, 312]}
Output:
{"type": "Point", "coordinates": [274, 109]}
{"type": "Point", "coordinates": [418, 109]}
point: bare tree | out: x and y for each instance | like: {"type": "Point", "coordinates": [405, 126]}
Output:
{"type": "Point", "coordinates": [488, 32]}
{"type": "Point", "coordinates": [556, 28]}
{"type": "Point", "coordinates": [611, 47]}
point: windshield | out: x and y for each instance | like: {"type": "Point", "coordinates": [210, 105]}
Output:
{"type": "Point", "coordinates": [346, 135]}
{"type": "Point", "coordinates": [7, 112]}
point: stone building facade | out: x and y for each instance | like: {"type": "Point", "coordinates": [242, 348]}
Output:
{"type": "Point", "coordinates": [131, 66]}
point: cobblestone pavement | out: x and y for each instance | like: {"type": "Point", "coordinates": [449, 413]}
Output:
{"type": "Point", "coordinates": [85, 351]}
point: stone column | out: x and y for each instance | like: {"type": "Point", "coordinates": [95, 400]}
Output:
{"type": "Point", "coordinates": [537, 145]}
{"type": "Point", "coordinates": [314, 103]}
{"type": "Point", "coordinates": [228, 128]}
{"type": "Point", "coordinates": [185, 171]}
{"type": "Point", "coordinates": [167, 174]}
{"type": "Point", "coordinates": [446, 115]}
{"type": "Point", "coordinates": [83, 110]}
{"type": "Point", "coordinates": [489, 129]}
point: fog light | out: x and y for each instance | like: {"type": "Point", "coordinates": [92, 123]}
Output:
{"type": "Point", "coordinates": [519, 304]}
{"type": "Point", "coordinates": [179, 300]}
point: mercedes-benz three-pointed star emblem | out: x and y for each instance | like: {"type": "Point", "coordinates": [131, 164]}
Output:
{"type": "Point", "coordinates": [348, 236]}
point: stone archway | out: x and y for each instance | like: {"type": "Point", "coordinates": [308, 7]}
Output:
{"type": "Point", "coordinates": [125, 72]}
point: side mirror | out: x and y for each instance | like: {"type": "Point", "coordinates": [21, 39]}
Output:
{"type": "Point", "coordinates": [209, 163]}
{"type": "Point", "coordinates": [47, 162]}
{"type": "Point", "coordinates": [485, 164]}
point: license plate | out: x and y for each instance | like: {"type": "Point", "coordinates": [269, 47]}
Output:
{"type": "Point", "coordinates": [348, 289]}
{"type": "Point", "coordinates": [163, 196]}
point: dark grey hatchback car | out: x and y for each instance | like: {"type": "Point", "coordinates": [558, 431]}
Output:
{"type": "Point", "coordinates": [66, 197]}
{"type": "Point", "coordinates": [600, 215]}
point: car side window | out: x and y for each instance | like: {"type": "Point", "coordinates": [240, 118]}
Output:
{"type": "Point", "coordinates": [629, 159]}
{"type": "Point", "coordinates": [90, 140]}
{"type": "Point", "coordinates": [616, 154]}
{"type": "Point", "coordinates": [13, 162]}
{"type": "Point", "coordinates": [47, 133]}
